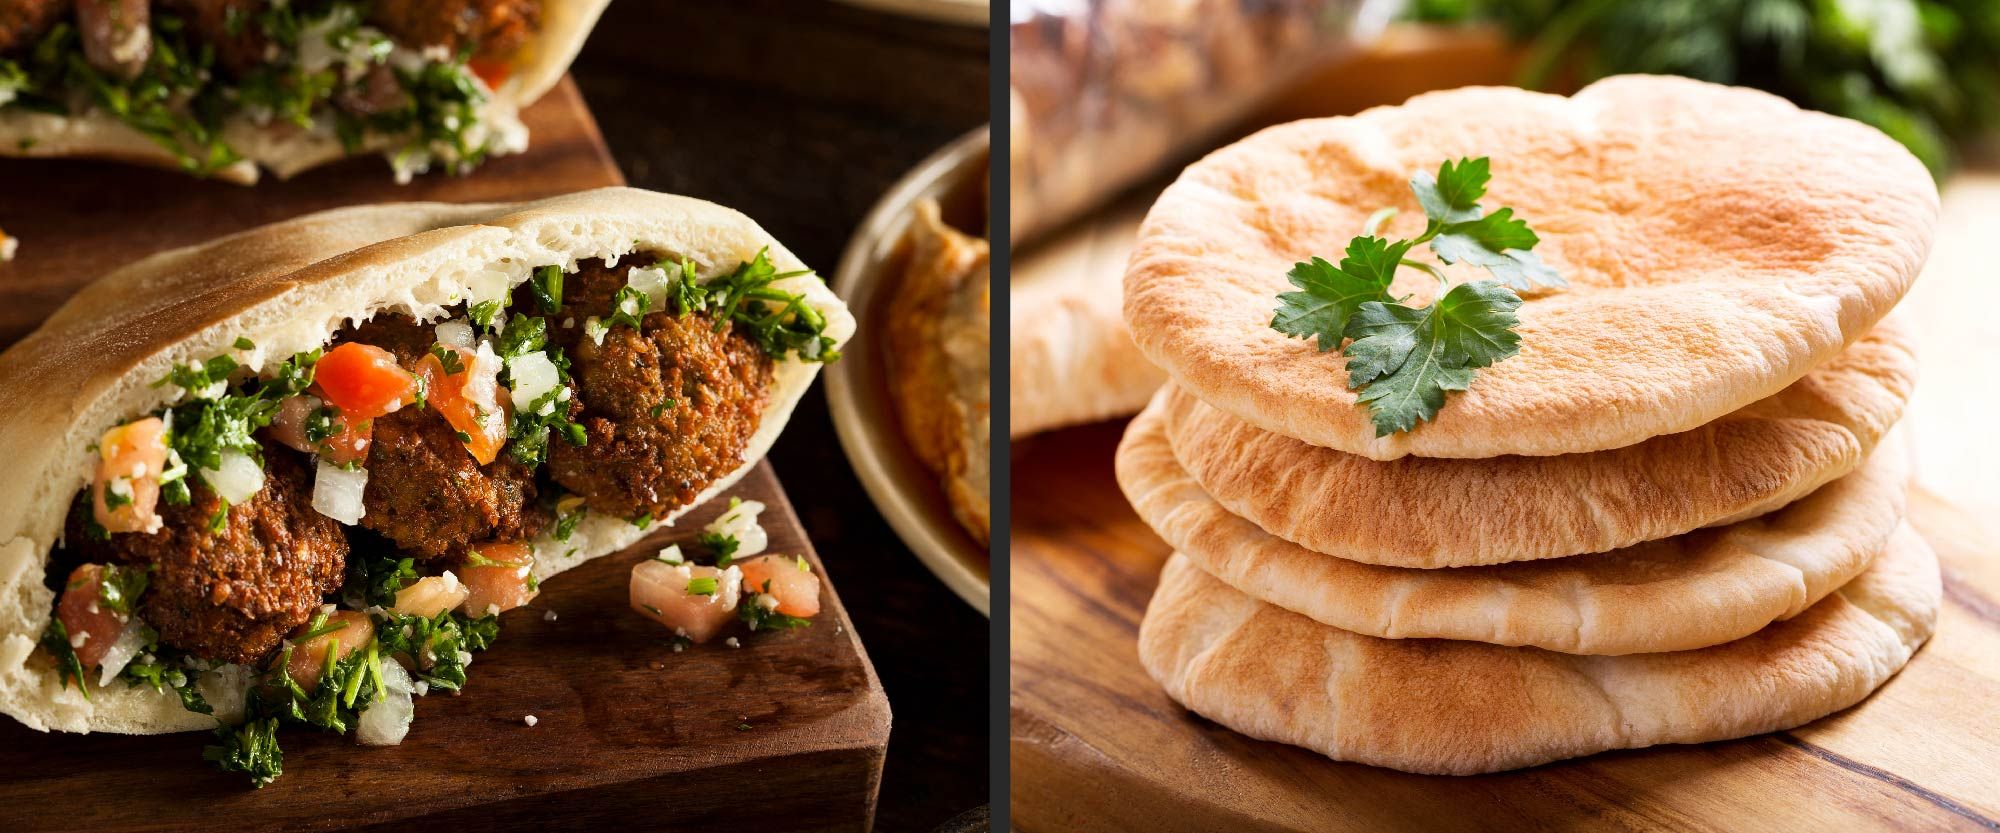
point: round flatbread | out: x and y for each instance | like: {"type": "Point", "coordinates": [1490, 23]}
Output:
{"type": "Point", "coordinates": [1509, 509]}
{"type": "Point", "coordinates": [1459, 708]}
{"type": "Point", "coordinates": [1718, 243]}
{"type": "Point", "coordinates": [541, 62]}
{"type": "Point", "coordinates": [1688, 591]}
{"type": "Point", "coordinates": [1070, 358]}
{"type": "Point", "coordinates": [290, 287]}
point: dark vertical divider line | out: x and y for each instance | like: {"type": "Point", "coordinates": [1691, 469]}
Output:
{"type": "Point", "coordinates": [1000, 572]}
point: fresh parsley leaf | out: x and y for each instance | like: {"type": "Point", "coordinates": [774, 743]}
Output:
{"type": "Point", "coordinates": [243, 343]}
{"type": "Point", "coordinates": [780, 322]}
{"type": "Point", "coordinates": [1329, 295]}
{"type": "Point", "coordinates": [1453, 195]}
{"type": "Point", "coordinates": [1499, 244]}
{"type": "Point", "coordinates": [702, 586]}
{"type": "Point", "coordinates": [1403, 359]}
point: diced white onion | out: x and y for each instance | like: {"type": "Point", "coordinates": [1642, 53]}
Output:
{"type": "Point", "coordinates": [130, 642]}
{"type": "Point", "coordinates": [455, 333]}
{"type": "Point", "coordinates": [652, 282]}
{"type": "Point", "coordinates": [337, 492]}
{"type": "Point", "coordinates": [239, 478]}
{"type": "Point", "coordinates": [482, 381]}
{"type": "Point", "coordinates": [741, 521]}
{"type": "Point", "coordinates": [672, 555]}
{"type": "Point", "coordinates": [533, 376]}
{"type": "Point", "coordinates": [386, 721]}
{"type": "Point", "coordinates": [594, 328]}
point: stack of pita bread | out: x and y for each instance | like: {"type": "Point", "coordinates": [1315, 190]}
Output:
{"type": "Point", "coordinates": [1673, 517]}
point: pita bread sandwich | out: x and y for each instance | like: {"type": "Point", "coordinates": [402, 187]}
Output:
{"type": "Point", "coordinates": [293, 475]}
{"type": "Point", "coordinates": [224, 87]}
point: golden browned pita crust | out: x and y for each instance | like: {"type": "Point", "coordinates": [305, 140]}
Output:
{"type": "Point", "coordinates": [1507, 509]}
{"type": "Point", "coordinates": [1438, 706]}
{"type": "Point", "coordinates": [1719, 243]}
{"type": "Point", "coordinates": [289, 287]}
{"type": "Point", "coordinates": [1688, 591]}
{"type": "Point", "coordinates": [285, 152]}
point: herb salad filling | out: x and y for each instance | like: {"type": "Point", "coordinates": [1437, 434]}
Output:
{"type": "Point", "coordinates": [369, 75]}
{"type": "Point", "coordinates": [319, 543]}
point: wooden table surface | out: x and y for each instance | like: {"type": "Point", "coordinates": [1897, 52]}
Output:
{"type": "Point", "coordinates": [801, 114]}
{"type": "Point", "coordinates": [1096, 745]}
{"type": "Point", "coordinates": [629, 730]}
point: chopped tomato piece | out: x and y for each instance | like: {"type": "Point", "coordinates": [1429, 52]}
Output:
{"type": "Point", "coordinates": [348, 442]}
{"type": "Point", "coordinates": [483, 427]}
{"type": "Point", "coordinates": [431, 595]}
{"type": "Point", "coordinates": [781, 578]}
{"type": "Point", "coordinates": [92, 627]}
{"type": "Point", "coordinates": [131, 458]}
{"type": "Point", "coordinates": [493, 72]}
{"type": "Point", "coordinates": [364, 381]}
{"type": "Point", "coordinates": [351, 629]}
{"type": "Point", "coordinates": [498, 577]}
{"type": "Point", "coordinates": [696, 601]}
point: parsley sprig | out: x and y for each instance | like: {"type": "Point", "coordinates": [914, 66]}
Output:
{"type": "Point", "coordinates": [1404, 359]}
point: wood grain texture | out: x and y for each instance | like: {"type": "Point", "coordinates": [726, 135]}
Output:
{"type": "Point", "coordinates": [1096, 745]}
{"type": "Point", "coordinates": [629, 732]}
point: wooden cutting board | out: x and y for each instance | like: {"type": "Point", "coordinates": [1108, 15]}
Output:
{"type": "Point", "coordinates": [1096, 745]}
{"type": "Point", "coordinates": [785, 733]}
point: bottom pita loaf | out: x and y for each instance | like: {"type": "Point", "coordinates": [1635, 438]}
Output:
{"type": "Point", "coordinates": [1459, 708]}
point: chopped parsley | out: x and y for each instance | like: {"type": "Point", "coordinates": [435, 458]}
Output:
{"type": "Point", "coordinates": [374, 579]}
{"type": "Point", "coordinates": [759, 617]}
{"type": "Point", "coordinates": [439, 647]}
{"type": "Point", "coordinates": [119, 586]}
{"type": "Point", "coordinates": [546, 285]}
{"type": "Point", "coordinates": [55, 640]}
{"type": "Point", "coordinates": [569, 510]}
{"type": "Point", "coordinates": [548, 414]}
{"type": "Point", "coordinates": [213, 419]}
{"type": "Point", "coordinates": [628, 306]}
{"type": "Point", "coordinates": [1404, 359]}
{"type": "Point", "coordinates": [702, 586]}
{"type": "Point", "coordinates": [723, 546]}
{"type": "Point", "coordinates": [482, 314]}
{"type": "Point", "coordinates": [449, 359]}
{"type": "Point", "coordinates": [251, 749]}
{"type": "Point", "coordinates": [780, 322]}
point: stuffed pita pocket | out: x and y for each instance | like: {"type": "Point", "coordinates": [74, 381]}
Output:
{"type": "Point", "coordinates": [224, 87]}
{"type": "Point", "coordinates": [377, 425]}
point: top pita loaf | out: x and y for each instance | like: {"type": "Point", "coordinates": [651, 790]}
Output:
{"type": "Point", "coordinates": [289, 287]}
{"type": "Point", "coordinates": [1718, 243]}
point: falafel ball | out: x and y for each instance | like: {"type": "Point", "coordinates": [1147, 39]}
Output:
{"type": "Point", "coordinates": [231, 595]}
{"type": "Point", "coordinates": [425, 492]}
{"type": "Point", "coordinates": [22, 22]}
{"type": "Point", "coordinates": [496, 29]}
{"type": "Point", "coordinates": [227, 24]}
{"type": "Point", "coordinates": [667, 408]}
